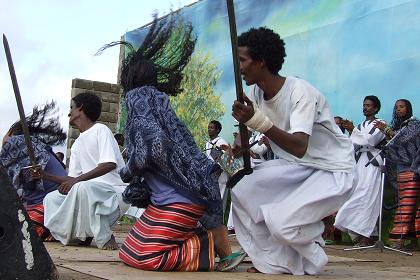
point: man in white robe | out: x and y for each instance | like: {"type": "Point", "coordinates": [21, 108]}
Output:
{"type": "Point", "coordinates": [359, 214]}
{"type": "Point", "coordinates": [279, 207]}
{"type": "Point", "coordinates": [88, 201]}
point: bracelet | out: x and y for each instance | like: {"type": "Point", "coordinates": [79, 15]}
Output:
{"type": "Point", "coordinates": [387, 130]}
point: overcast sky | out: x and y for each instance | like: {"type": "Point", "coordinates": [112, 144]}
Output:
{"type": "Point", "coordinates": [53, 42]}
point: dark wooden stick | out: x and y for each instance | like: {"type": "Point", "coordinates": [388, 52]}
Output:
{"type": "Point", "coordinates": [238, 82]}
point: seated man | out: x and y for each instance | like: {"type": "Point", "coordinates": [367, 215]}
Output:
{"type": "Point", "coordinates": [277, 210]}
{"type": "Point", "coordinates": [14, 158]}
{"type": "Point", "coordinates": [88, 201]}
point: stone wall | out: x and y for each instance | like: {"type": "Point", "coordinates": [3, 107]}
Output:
{"type": "Point", "coordinates": [110, 96]}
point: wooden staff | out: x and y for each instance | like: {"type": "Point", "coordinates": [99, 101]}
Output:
{"type": "Point", "coordinates": [243, 131]}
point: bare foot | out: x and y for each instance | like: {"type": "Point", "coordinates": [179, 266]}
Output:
{"type": "Point", "coordinates": [111, 244]}
{"type": "Point", "coordinates": [253, 270]}
{"type": "Point", "coordinates": [221, 242]}
{"type": "Point", "coordinates": [87, 242]}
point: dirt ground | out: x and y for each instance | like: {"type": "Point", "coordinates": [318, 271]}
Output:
{"type": "Point", "coordinates": [92, 264]}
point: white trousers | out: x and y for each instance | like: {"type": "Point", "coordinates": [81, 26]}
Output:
{"type": "Point", "coordinates": [88, 210]}
{"type": "Point", "coordinates": [277, 212]}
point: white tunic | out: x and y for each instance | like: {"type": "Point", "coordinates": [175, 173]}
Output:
{"type": "Point", "coordinates": [279, 207]}
{"type": "Point", "coordinates": [91, 207]}
{"type": "Point", "coordinates": [360, 213]}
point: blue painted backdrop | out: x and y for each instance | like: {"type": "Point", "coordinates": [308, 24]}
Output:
{"type": "Point", "coordinates": [346, 48]}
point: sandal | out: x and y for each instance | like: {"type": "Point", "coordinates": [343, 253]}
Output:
{"type": "Point", "coordinates": [397, 244]}
{"type": "Point", "coordinates": [231, 262]}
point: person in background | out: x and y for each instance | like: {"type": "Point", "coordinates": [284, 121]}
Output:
{"type": "Point", "coordinates": [359, 215]}
{"type": "Point", "coordinates": [339, 122]}
{"type": "Point", "coordinates": [121, 141]}
{"type": "Point", "coordinates": [60, 156]}
{"type": "Point", "coordinates": [404, 151]}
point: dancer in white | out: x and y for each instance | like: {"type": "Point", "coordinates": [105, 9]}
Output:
{"type": "Point", "coordinates": [88, 201]}
{"type": "Point", "coordinates": [279, 207]}
{"type": "Point", "coordinates": [359, 214]}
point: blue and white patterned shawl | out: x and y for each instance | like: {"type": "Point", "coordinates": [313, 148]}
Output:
{"type": "Point", "coordinates": [405, 148]}
{"type": "Point", "coordinates": [158, 141]}
{"type": "Point", "coordinates": [14, 157]}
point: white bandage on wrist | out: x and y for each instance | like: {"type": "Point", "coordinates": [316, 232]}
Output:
{"type": "Point", "coordinates": [259, 121]}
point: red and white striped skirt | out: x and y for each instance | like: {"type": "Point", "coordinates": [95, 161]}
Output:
{"type": "Point", "coordinates": [36, 214]}
{"type": "Point", "coordinates": [406, 222]}
{"type": "Point", "coordinates": [166, 238]}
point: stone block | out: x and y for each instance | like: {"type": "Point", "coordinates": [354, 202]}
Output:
{"type": "Point", "coordinates": [101, 86]}
{"type": "Point", "coordinates": [73, 133]}
{"type": "Point", "coordinates": [82, 84]}
{"type": "Point", "coordinates": [114, 107]}
{"type": "Point", "coordinates": [108, 117]}
{"type": "Point", "coordinates": [106, 106]}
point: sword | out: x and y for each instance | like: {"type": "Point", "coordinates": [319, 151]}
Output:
{"type": "Point", "coordinates": [238, 83]}
{"type": "Point", "coordinates": [19, 104]}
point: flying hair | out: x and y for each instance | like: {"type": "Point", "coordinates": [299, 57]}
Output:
{"type": "Point", "coordinates": [160, 59]}
{"type": "Point", "coordinates": [43, 123]}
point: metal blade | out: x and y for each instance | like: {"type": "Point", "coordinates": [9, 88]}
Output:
{"type": "Point", "coordinates": [19, 101]}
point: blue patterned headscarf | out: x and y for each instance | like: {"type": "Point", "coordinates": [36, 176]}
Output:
{"type": "Point", "coordinates": [405, 147]}
{"type": "Point", "coordinates": [14, 157]}
{"type": "Point", "coordinates": [158, 141]}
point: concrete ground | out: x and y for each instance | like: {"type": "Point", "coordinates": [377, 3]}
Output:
{"type": "Point", "coordinates": [91, 264]}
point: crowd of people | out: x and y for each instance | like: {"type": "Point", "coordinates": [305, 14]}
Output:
{"type": "Point", "coordinates": [307, 165]}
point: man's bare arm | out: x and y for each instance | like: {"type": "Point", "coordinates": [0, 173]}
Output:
{"type": "Point", "coordinates": [67, 182]}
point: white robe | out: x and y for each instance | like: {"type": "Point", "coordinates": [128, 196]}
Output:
{"type": "Point", "coordinates": [88, 210]}
{"type": "Point", "coordinates": [91, 207]}
{"type": "Point", "coordinates": [281, 230]}
{"type": "Point", "coordinates": [360, 213]}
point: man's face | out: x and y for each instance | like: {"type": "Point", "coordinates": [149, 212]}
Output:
{"type": "Point", "coordinates": [250, 69]}
{"type": "Point", "coordinates": [212, 130]}
{"type": "Point", "coordinates": [369, 108]}
{"type": "Point", "coordinates": [74, 113]}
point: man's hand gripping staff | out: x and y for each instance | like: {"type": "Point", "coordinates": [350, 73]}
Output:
{"type": "Point", "coordinates": [251, 116]}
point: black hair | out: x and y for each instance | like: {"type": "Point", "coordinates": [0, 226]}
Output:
{"type": "Point", "coordinates": [160, 59]}
{"type": "Point", "coordinates": [217, 124]}
{"type": "Point", "coordinates": [61, 155]}
{"type": "Point", "coordinates": [396, 120]}
{"type": "Point", "coordinates": [43, 123]}
{"type": "Point", "coordinates": [264, 44]}
{"type": "Point", "coordinates": [92, 104]}
{"type": "Point", "coordinates": [120, 138]}
{"type": "Point", "coordinates": [375, 101]}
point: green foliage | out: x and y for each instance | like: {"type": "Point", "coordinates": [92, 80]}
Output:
{"type": "Point", "coordinates": [197, 104]}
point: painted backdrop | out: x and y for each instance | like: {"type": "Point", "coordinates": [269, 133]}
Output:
{"type": "Point", "coordinates": [346, 48]}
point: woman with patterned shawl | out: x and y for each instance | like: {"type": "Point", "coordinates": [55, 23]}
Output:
{"type": "Point", "coordinates": [169, 174]}
{"type": "Point", "coordinates": [44, 132]}
{"type": "Point", "coordinates": [404, 151]}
